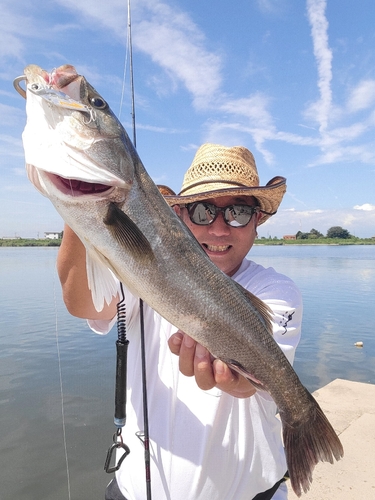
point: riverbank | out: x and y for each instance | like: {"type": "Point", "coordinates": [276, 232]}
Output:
{"type": "Point", "coordinates": [316, 241]}
{"type": "Point", "coordinates": [30, 242]}
{"type": "Point", "coordinates": [350, 407]}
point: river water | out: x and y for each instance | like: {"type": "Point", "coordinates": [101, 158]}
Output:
{"type": "Point", "coordinates": [54, 370]}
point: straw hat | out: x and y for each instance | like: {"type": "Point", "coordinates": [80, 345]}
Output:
{"type": "Point", "coordinates": [226, 171]}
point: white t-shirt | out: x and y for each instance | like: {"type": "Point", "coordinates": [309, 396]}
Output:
{"type": "Point", "coordinates": [205, 445]}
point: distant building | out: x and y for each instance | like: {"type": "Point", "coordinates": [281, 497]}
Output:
{"type": "Point", "coordinates": [52, 235]}
{"type": "Point", "coordinates": [290, 237]}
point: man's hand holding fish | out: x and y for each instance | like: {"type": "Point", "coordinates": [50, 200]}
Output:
{"type": "Point", "coordinates": [195, 360]}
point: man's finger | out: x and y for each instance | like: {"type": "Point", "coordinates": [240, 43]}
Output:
{"type": "Point", "coordinates": [203, 370]}
{"type": "Point", "coordinates": [186, 356]}
{"type": "Point", "coordinates": [231, 382]}
{"type": "Point", "coordinates": [175, 341]}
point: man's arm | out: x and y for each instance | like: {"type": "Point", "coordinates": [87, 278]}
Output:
{"type": "Point", "coordinates": [71, 268]}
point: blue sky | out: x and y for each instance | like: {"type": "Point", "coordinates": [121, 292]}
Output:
{"type": "Point", "coordinates": [292, 80]}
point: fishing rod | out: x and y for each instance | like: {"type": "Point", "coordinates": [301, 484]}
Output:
{"type": "Point", "coordinates": [122, 348]}
{"type": "Point", "coordinates": [145, 436]}
{"type": "Point", "coordinates": [131, 76]}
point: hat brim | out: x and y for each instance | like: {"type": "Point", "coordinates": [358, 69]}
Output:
{"type": "Point", "coordinates": [269, 196]}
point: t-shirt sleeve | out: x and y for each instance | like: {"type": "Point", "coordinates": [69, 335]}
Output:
{"type": "Point", "coordinates": [284, 299]}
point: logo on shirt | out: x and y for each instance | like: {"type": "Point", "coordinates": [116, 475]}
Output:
{"type": "Point", "coordinates": [287, 316]}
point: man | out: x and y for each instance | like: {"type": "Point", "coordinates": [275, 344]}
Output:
{"type": "Point", "coordinates": [213, 436]}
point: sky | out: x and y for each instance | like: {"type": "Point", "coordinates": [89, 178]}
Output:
{"type": "Point", "coordinates": [291, 80]}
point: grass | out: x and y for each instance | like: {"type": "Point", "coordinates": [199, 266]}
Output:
{"type": "Point", "coordinates": [316, 241]}
{"type": "Point", "coordinates": [29, 242]}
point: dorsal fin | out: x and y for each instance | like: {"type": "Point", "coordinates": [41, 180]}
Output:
{"type": "Point", "coordinates": [263, 309]}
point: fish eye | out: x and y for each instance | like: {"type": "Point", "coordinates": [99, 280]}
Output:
{"type": "Point", "coordinates": [98, 103]}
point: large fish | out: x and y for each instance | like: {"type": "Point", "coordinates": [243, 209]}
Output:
{"type": "Point", "coordinates": [80, 157]}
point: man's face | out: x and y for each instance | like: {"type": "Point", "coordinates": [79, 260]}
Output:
{"type": "Point", "coordinates": [225, 245]}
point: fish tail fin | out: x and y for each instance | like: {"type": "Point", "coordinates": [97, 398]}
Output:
{"type": "Point", "coordinates": [313, 441]}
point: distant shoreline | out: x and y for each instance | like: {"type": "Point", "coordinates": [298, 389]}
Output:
{"type": "Point", "coordinates": [316, 242]}
{"type": "Point", "coordinates": [281, 243]}
{"type": "Point", "coordinates": [30, 242]}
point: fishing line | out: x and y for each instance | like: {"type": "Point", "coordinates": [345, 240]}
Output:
{"type": "Point", "coordinates": [61, 388]}
{"type": "Point", "coordinates": [127, 50]}
{"type": "Point", "coordinates": [123, 79]}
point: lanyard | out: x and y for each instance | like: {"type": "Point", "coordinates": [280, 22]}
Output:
{"type": "Point", "coordinates": [120, 394]}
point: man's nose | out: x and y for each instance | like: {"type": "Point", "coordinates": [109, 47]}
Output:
{"type": "Point", "coordinates": [219, 226]}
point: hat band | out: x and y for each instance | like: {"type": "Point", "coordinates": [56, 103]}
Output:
{"type": "Point", "coordinates": [219, 181]}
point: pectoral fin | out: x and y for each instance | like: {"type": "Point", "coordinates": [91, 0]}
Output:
{"type": "Point", "coordinates": [101, 280]}
{"type": "Point", "coordinates": [127, 234]}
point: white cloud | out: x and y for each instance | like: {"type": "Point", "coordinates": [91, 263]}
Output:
{"type": "Point", "coordinates": [291, 221]}
{"type": "Point", "coordinates": [323, 56]}
{"type": "Point", "coordinates": [259, 122]}
{"type": "Point", "coordinates": [158, 130]}
{"type": "Point", "coordinates": [362, 96]}
{"type": "Point", "coordinates": [180, 51]}
{"type": "Point", "coordinates": [12, 26]}
{"type": "Point", "coordinates": [254, 108]}
{"type": "Point", "coordinates": [271, 6]}
{"type": "Point", "coordinates": [338, 152]}
{"type": "Point", "coordinates": [20, 188]}
{"type": "Point", "coordinates": [10, 140]}
{"type": "Point", "coordinates": [10, 146]}
{"type": "Point", "coordinates": [367, 207]}
{"type": "Point", "coordinates": [168, 36]}
{"type": "Point", "coordinates": [113, 16]}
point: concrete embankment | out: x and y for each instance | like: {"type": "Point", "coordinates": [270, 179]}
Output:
{"type": "Point", "coordinates": [350, 407]}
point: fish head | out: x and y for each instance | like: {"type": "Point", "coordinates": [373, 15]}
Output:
{"type": "Point", "coordinates": [74, 145]}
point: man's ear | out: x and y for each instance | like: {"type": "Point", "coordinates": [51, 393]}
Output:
{"type": "Point", "coordinates": [177, 209]}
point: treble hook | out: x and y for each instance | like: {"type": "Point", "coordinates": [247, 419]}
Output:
{"type": "Point", "coordinates": [17, 86]}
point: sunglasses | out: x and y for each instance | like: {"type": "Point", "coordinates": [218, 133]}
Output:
{"type": "Point", "coordinates": [203, 214]}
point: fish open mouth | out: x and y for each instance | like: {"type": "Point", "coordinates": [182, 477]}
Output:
{"type": "Point", "coordinates": [76, 187]}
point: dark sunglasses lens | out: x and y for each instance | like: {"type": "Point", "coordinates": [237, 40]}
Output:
{"type": "Point", "coordinates": [201, 213]}
{"type": "Point", "coordinates": [238, 215]}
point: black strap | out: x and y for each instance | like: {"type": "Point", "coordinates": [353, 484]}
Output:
{"type": "Point", "coordinates": [267, 495]}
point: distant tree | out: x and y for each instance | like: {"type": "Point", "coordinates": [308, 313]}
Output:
{"type": "Point", "coordinates": [302, 236]}
{"type": "Point", "coordinates": [314, 233]}
{"type": "Point", "coordinates": [338, 232]}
